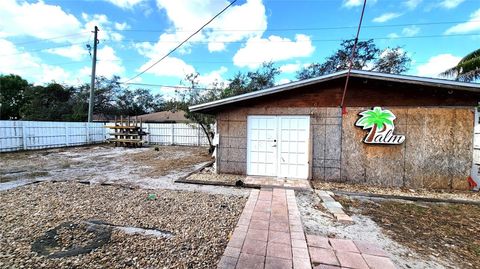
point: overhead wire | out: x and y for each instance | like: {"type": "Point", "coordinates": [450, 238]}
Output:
{"type": "Point", "coordinates": [183, 42]}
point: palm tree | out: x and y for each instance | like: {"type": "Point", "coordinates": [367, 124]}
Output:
{"type": "Point", "coordinates": [375, 119]}
{"type": "Point", "coordinates": [468, 69]}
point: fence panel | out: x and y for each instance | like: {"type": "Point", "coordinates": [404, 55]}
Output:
{"type": "Point", "coordinates": [25, 135]}
{"type": "Point", "coordinates": [184, 134]}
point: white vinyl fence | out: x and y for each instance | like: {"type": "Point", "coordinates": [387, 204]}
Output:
{"type": "Point", "coordinates": [28, 135]}
{"type": "Point", "coordinates": [184, 134]}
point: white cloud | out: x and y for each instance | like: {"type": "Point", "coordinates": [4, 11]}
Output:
{"type": "Point", "coordinates": [274, 48]}
{"type": "Point", "coordinates": [352, 3]}
{"type": "Point", "coordinates": [406, 32]}
{"type": "Point", "coordinates": [472, 25]}
{"type": "Point", "coordinates": [170, 66]}
{"type": "Point", "coordinates": [449, 4]}
{"type": "Point", "coordinates": [393, 35]}
{"type": "Point", "coordinates": [283, 81]}
{"type": "Point", "coordinates": [125, 4]}
{"type": "Point", "coordinates": [121, 26]}
{"type": "Point", "coordinates": [290, 68]}
{"type": "Point", "coordinates": [386, 17]}
{"type": "Point", "coordinates": [188, 15]}
{"type": "Point", "coordinates": [410, 31]}
{"type": "Point", "coordinates": [108, 65]}
{"type": "Point", "coordinates": [30, 67]}
{"type": "Point", "coordinates": [36, 19]}
{"type": "Point", "coordinates": [74, 52]}
{"type": "Point", "coordinates": [437, 64]}
{"type": "Point", "coordinates": [356, 3]}
{"type": "Point", "coordinates": [412, 4]}
{"type": "Point", "coordinates": [214, 76]}
{"type": "Point", "coordinates": [104, 24]}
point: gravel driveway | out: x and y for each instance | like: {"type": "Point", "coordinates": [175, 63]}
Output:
{"type": "Point", "coordinates": [200, 224]}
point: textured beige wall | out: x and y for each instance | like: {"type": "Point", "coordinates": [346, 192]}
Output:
{"type": "Point", "coordinates": [437, 152]}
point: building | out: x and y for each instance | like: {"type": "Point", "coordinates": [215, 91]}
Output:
{"type": "Point", "coordinates": [397, 131]}
{"type": "Point", "coordinates": [177, 116]}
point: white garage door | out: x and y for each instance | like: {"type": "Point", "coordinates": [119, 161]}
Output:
{"type": "Point", "coordinates": [278, 146]}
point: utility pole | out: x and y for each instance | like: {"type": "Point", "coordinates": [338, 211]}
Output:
{"type": "Point", "coordinates": [92, 83]}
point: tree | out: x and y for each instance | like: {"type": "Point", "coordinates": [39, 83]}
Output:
{"type": "Point", "coordinates": [393, 61]}
{"type": "Point", "coordinates": [137, 102]}
{"type": "Point", "coordinates": [376, 119]}
{"type": "Point", "coordinates": [50, 102]}
{"type": "Point", "coordinates": [263, 77]}
{"type": "Point", "coordinates": [193, 96]}
{"type": "Point", "coordinates": [367, 56]}
{"type": "Point", "coordinates": [12, 96]}
{"type": "Point", "coordinates": [467, 69]}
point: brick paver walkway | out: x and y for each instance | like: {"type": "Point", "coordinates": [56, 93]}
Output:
{"type": "Point", "coordinates": [269, 234]}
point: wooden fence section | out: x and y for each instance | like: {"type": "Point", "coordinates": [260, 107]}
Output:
{"type": "Point", "coordinates": [27, 135]}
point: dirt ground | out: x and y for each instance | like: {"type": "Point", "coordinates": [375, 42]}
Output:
{"type": "Point", "coordinates": [449, 231]}
{"type": "Point", "coordinates": [198, 223]}
{"type": "Point", "coordinates": [316, 220]}
{"type": "Point", "coordinates": [143, 168]}
{"type": "Point", "coordinates": [441, 194]}
{"type": "Point", "coordinates": [83, 163]}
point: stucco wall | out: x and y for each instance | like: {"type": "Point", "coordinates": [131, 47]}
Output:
{"type": "Point", "coordinates": [437, 152]}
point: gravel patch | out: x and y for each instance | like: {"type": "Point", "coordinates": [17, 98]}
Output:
{"type": "Point", "coordinates": [200, 223]}
{"type": "Point", "coordinates": [440, 194]}
{"type": "Point", "coordinates": [317, 221]}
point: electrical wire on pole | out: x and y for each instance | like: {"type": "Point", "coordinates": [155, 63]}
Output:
{"type": "Point", "coordinates": [342, 104]}
{"type": "Point", "coordinates": [350, 64]}
{"type": "Point", "coordinates": [92, 83]}
{"type": "Point", "coordinates": [183, 42]}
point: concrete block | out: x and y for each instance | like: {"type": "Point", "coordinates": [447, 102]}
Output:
{"type": "Point", "coordinates": [334, 204]}
{"type": "Point", "coordinates": [344, 218]}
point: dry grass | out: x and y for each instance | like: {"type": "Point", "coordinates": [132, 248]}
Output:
{"type": "Point", "coordinates": [451, 231]}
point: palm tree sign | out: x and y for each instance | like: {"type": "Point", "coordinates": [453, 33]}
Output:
{"type": "Point", "coordinates": [375, 119]}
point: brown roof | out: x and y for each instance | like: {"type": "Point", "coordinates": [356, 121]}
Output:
{"type": "Point", "coordinates": [165, 116]}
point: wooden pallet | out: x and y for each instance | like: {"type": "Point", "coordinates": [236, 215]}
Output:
{"type": "Point", "coordinates": [127, 133]}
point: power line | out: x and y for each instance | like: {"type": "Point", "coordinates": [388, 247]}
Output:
{"type": "Point", "coordinates": [48, 39]}
{"type": "Point", "coordinates": [310, 40]}
{"type": "Point", "coordinates": [166, 86]}
{"type": "Point", "coordinates": [302, 28]}
{"type": "Point", "coordinates": [183, 42]}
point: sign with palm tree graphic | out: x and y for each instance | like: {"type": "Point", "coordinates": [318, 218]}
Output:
{"type": "Point", "coordinates": [380, 123]}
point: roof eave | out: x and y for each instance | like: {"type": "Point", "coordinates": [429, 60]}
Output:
{"type": "Point", "coordinates": [449, 84]}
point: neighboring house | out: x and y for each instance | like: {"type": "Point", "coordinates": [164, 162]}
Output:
{"type": "Point", "coordinates": [103, 118]}
{"type": "Point", "coordinates": [177, 116]}
{"type": "Point", "coordinates": [399, 130]}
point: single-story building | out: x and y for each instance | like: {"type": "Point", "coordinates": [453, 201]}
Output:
{"type": "Point", "coordinates": [398, 130]}
{"type": "Point", "coordinates": [168, 116]}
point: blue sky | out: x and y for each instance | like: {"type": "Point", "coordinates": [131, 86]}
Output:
{"type": "Point", "coordinates": [46, 40]}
